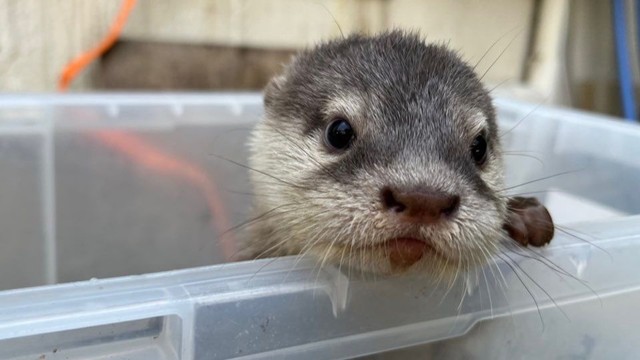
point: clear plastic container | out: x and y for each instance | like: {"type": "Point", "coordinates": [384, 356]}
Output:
{"type": "Point", "coordinates": [79, 203]}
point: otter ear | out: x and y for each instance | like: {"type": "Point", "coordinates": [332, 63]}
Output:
{"type": "Point", "coordinates": [273, 88]}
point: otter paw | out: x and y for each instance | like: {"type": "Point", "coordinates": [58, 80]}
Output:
{"type": "Point", "coordinates": [528, 221]}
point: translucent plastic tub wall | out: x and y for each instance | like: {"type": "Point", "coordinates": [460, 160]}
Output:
{"type": "Point", "coordinates": [81, 205]}
{"type": "Point", "coordinates": [77, 204]}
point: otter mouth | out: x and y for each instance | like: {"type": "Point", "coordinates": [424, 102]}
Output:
{"type": "Point", "coordinates": [403, 252]}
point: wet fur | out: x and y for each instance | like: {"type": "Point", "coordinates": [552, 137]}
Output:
{"type": "Point", "coordinates": [416, 109]}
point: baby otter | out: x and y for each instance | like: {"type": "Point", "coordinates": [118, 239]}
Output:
{"type": "Point", "coordinates": [382, 153]}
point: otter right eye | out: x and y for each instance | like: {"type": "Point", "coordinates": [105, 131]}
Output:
{"type": "Point", "coordinates": [340, 134]}
{"type": "Point", "coordinates": [479, 150]}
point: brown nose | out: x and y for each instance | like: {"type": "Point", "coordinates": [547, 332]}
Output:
{"type": "Point", "coordinates": [427, 206]}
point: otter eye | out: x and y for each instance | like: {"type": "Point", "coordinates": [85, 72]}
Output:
{"type": "Point", "coordinates": [340, 134]}
{"type": "Point", "coordinates": [479, 150]}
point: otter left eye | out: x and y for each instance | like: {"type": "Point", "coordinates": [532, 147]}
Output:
{"type": "Point", "coordinates": [479, 150]}
{"type": "Point", "coordinates": [340, 134]}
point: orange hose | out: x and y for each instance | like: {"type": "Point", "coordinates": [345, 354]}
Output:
{"type": "Point", "coordinates": [144, 153]}
{"type": "Point", "coordinates": [79, 63]}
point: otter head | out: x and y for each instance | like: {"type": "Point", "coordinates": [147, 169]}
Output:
{"type": "Point", "coordinates": [380, 153]}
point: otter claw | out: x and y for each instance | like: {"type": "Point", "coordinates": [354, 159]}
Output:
{"type": "Point", "coordinates": [528, 221]}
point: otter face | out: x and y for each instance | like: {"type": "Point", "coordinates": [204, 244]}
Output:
{"type": "Point", "coordinates": [378, 153]}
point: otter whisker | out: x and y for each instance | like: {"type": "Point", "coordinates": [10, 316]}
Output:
{"type": "Point", "coordinates": [554, 267]}
{"type": "Point", "coordinates": [537, 257]}
{"type": "Point", "coordinates": [538, 285]}
{"type": "Point", "coordinates": [263, 173]}
{"type": "Point", "coordinates": [285, 186]}
{"type": "Point", "coordinates": [353, 240]}
{"type": "Point", "coordinates": [503, 288]}
{"type": "Point", "coordinates": [312, 241]}
{"type": "Point", "coordinates": [495, 252]}
{"type": "Point", "coordinates": [268, 194]}
{"type": "Point", "coordinates": [362, 263]}
{"type": "Point", "coordinates": [515, 272]}
{"type": "Point", "coordinates": [526, 156]}
{"type": "Point", "coordinates": [215, 139]}
{"type": "Point", "coordinates": [261, 268]}
{"type": "Point", "coordinates": [298, 257]}
{"type": "Point", "coordinates": [523, 118]}
{"type": "Point", "coordinates": [455, 277]}
{"type": "Point", "coordinates": [510, 195]}
{"type": "Point", "coordinates": [270, 262]}
{"type": "Point", "coordinates": [500, 55]}
{"type": "Point", "coordinates": [440, 277]}
{"type": "Point", "coordinates": [465, 290]}
{"type": "Point", "coordinates": [486, 282]}
{"type": "Point", "coordinates": [247, 193]}
{"type": "Point", "coordinates": [324, 258]}
{"type": "Point", "coordinates": [499, 84]}
{"type": "Point", "coordinates": [309, 156]}
{"type": "Point", "coordinates": [515, 249]}
{"type": "Point", "coordinates": [270, 214]}
{"type": "Point", "coordinates": [332, 17]}
{"type": "Point", "coordinates": [541, 179]}
{"type": "Point", "coordinates": [477, 265]}
{"type": "Point", "coordinates": [340, 262]}
{"type": "Point", "coordinates": [260, 217]}
{"type": "Point", "coordinates": [350, 244]}
{"type": "Point", "coordinates": [486, 52]}
{"type": "Point", "coordinates": [474, 264]}
{"type": "Point", "coordinates": [514, 151]}
{"type": "Point", "coordinates": [487, 257]}
{"type": "Point", "coordinates": [315, 237]}
{"type": "Point", "coordinates": [501, 281]}
{"type": "Point", "coordinates": [567, 231]}
{"type": "Point", "coordinates": [337, 237]}
{"type": "Point", "coordinates": [275, 246]}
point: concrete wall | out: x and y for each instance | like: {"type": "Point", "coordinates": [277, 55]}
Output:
{"type": "Point", "coordinates": [38, 37]}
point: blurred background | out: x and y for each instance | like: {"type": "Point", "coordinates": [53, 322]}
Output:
{"type": "Point", "coordinates": [560, 52]}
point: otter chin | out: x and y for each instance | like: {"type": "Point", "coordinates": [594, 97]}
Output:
{"type": "Point", "coordinates": [404, 252]}
{"type": "Point", "coordinates": [380, 153]}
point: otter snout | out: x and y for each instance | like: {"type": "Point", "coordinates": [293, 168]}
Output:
{"type": "Point", "coordinates": [427, 206]}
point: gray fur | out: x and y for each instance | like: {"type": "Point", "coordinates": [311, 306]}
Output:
{"type": "Point", "coordinates": [416, 109]}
